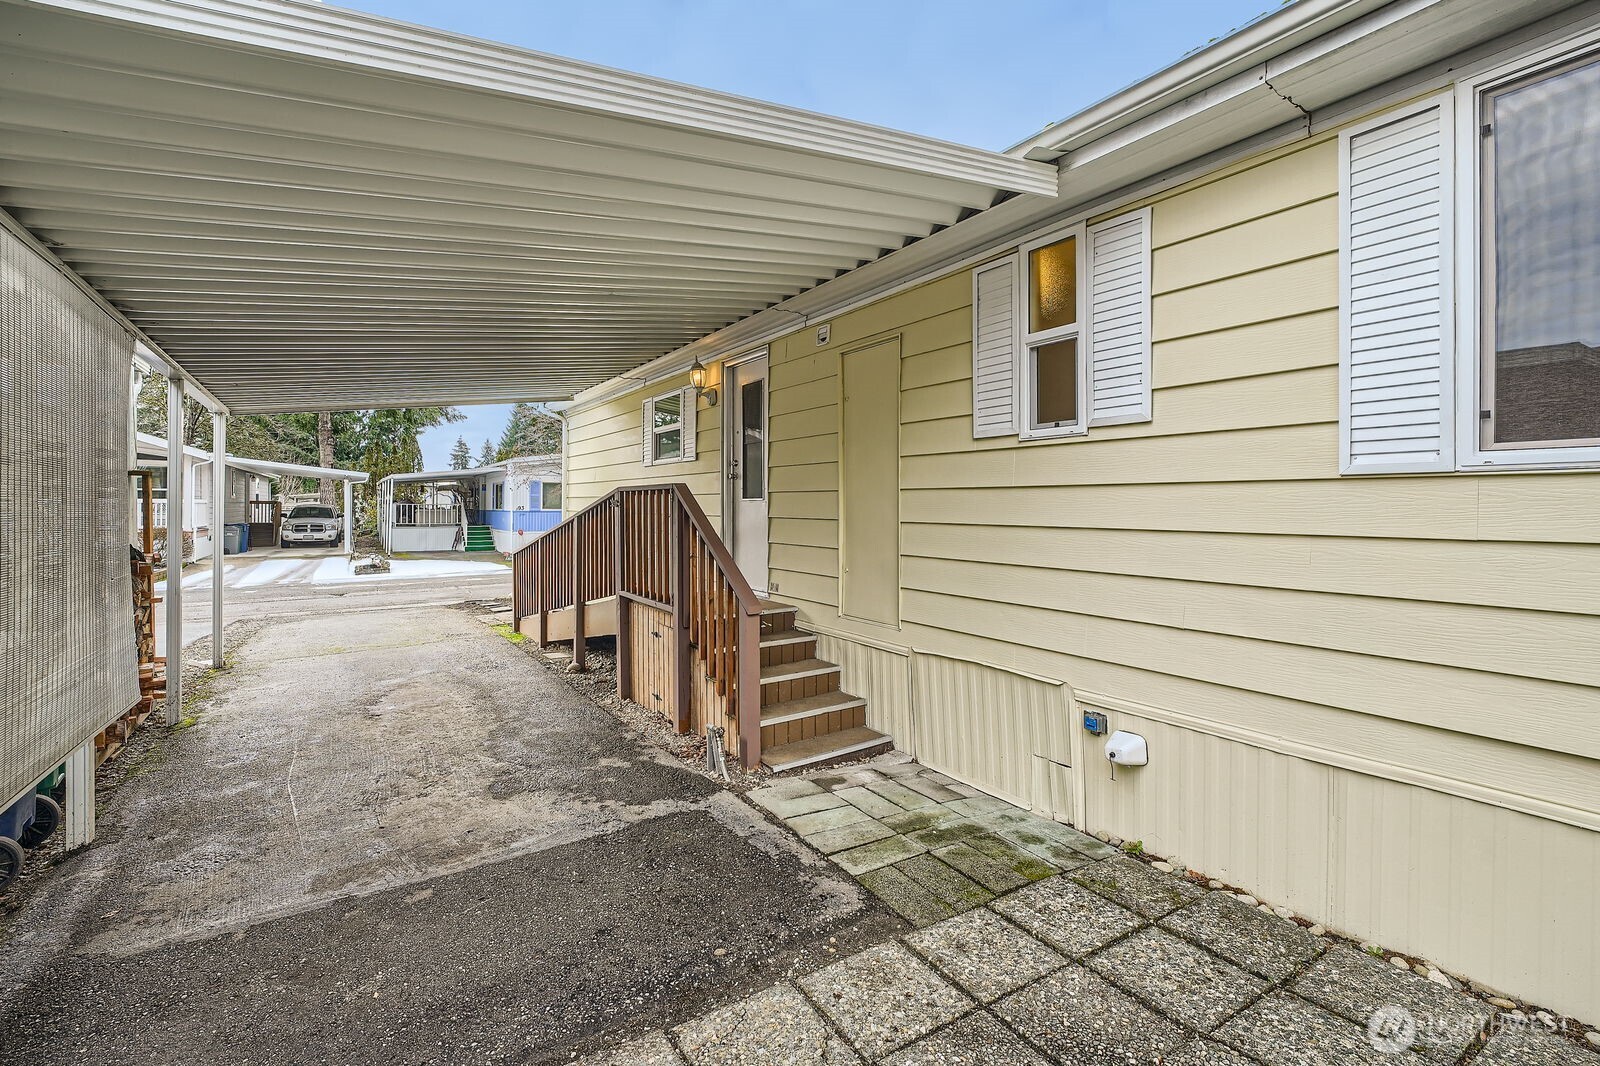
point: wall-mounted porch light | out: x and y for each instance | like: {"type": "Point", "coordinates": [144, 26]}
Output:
{"type": "Point", "coordinates": [697, 378]}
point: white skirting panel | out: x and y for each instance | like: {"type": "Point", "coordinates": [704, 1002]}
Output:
{"type": "Point", "coordinates": [1503, 897]}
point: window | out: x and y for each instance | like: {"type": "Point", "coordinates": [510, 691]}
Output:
{"type": "Point", "coordinates": [1539, 250]}
{"type": "Point", "coordinates": [1052, 363]}
{"type": "Point", "coordinates": [550, 495]}
{"type": "Point", "coordinates": [1470, 256]}
{"type": "Point", "coordinates": [669, 428]}
{"type": "Point", "coordinates": [499, 497]}
{"type": "Point", "coordinates": [1061, 333]}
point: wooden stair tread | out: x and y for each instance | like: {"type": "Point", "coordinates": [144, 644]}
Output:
{"type": "Point", "coordinates": [791, 671]}
{"type": "Point", "coordinates": [773, 638]}
{"type": "Point", "coordinates": [775, 607]}
{"type": "Point", "coordinates": [809, 706]}
{"type": "Point", "coordinates": [821, 748]}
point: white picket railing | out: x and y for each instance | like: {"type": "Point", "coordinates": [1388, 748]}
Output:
{"type": "Point", "coordinates": [416, 514]}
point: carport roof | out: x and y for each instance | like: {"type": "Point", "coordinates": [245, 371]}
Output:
{"type": "Point", "coordinates": [310, 208]}
{"type": "Point", "coordinates": [156, 447]}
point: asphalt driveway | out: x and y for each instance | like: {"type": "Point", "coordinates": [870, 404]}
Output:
{"type": "Point", "coordinates": [391, 837]}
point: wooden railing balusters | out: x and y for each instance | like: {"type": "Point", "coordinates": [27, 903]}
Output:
{"type": "Point", "coordinates": [652, 545]}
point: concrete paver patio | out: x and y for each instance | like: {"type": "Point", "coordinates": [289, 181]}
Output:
{"type": "Point", "coordinates": [1038, 945]}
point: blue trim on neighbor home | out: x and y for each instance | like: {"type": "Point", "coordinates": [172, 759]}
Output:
{"type": "Point", "coordinates": [520, 521]}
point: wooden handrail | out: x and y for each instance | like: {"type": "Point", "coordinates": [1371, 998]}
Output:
{"type": "Point", "coordinates": [652, 544]}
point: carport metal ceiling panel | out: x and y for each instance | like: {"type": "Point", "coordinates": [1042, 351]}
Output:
{"type": "Point", "coordinates": [313, 208]}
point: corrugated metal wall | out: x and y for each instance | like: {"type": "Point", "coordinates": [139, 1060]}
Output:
{"type": "Point", "coordinates": [67, 665]}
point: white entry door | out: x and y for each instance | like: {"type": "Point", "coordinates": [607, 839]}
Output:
{"type": "Point", "coordinates": [745, 385]}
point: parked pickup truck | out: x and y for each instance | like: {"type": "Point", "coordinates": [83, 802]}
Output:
{"type": "Point", "coordinates": [312, 523]}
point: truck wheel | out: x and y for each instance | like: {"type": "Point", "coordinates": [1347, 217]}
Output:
{"type": "Point", "coordinates": [46, 820]}
{"type": "Point", "coordinates": [11, 859]}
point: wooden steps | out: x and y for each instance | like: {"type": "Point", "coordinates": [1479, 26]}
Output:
{"type": "Point", "coordinates": [806, 717]}
{"type": "Point", "coordinates": [798, 671]}
{"type": "Point", "coordinates": [809, 707]}
{"type": "Point", "coordinates": [852, 743]}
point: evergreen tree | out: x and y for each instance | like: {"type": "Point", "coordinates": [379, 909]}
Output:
{"type": "Point", "coordinates": [379, 442]}
{"type": "Point", "coordinates": [531, 430]}
{"type": "Point", "coordinates": [486, 454]}
{"type": "Point", "coordinates": [460, 455]}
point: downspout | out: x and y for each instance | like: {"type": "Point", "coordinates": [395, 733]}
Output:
{"type": "Point", "coordinates": [561, 413]}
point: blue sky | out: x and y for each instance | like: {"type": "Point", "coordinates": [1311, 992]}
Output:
{"type": "Point", "coordinates": [985, 74]}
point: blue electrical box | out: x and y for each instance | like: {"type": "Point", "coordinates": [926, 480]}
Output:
{"type": "Point", "coordinates": [1095, 723]}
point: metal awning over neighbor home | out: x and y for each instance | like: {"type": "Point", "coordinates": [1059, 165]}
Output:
{"type": "Point", "coordinates": [310, 208]}
{"type": "Point", "coordinates": [156, 448]}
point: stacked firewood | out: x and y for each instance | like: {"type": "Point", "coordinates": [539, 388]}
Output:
{"type": "Point", "coordinates": [152, 668]}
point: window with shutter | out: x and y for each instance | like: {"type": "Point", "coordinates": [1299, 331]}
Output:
{"type": "Point", "coordinates": [669, 427]}
{"type": "Point", "coordinates": [1119, 320]}
{"type": "Point", "coordinates": [994, 349]}
{"type": "Point", "coordinates": [1396, 308]}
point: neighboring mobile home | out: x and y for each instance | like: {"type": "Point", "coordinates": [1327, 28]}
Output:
{"type": "Point", "coordinates": [1278, 445]}
{"type": "Point", "coordinates": [502, 506]}
{"type": "Point", "coordinates": [243, 486]}
{"type": "Point", "coordinates": [252, 499]}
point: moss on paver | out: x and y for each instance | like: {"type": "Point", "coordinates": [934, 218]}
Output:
{"type": "Point", "coordinates": [907, 898]}
{"type": "Point", "coordinates": [953, 889]}
{"type": "Point", "coordinates": [1021, 862]}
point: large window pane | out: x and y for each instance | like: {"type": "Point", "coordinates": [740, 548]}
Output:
{"type": "Point", "coordinates": [1055, 398]}
{"type": "Point", "coordinates": [753, 432]}
{"type": "Point", "coordinates": [1053, 283]}
{"type": "Point", "coordinates": [1544, 165]}
{"type": "Point", "coordinates": [669, 444]}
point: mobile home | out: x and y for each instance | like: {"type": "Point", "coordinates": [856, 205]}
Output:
{"type": "Point", "coordinates": [1274, 444]}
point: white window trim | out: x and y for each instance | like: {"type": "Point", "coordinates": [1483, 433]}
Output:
{"type": "Point", "coordinates": [686, 396]}
{"type": "Point", "coordinates": [1026, 430]}
{"type": "Point", "coordinates": [1470, 452]}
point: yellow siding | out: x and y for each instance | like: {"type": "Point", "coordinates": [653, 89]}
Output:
{"type": "Point", "coordinates": [1433, 630]}
{"type": "Point", "coordinates": [1373, 699]}
{"type": "Point", "coordinates": [605, 449]}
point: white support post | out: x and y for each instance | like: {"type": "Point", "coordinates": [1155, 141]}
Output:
{"type": "Point", "coordinates": [174, 550]}
{"type": "Point", "coordinates": [80, 796]}
{"type": "Point", "coordinates": [218, 519]}
{"type": "Point", "coordinates": [349, 519]}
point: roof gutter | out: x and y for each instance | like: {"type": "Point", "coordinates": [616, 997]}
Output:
{"type": "Point", "coordinates": [1250, 47]}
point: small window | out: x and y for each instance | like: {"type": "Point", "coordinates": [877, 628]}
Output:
{"type": "Point", "coordinates": [669, 427]}
{"type": "Point", "coordinates": [1053, 369]}
{"type": "Point", "coordinates": [1540, 260]}
{"type": "Point", "coordinates": [499, 497]}
{"type": "Point", "coordinates": [550, 495]}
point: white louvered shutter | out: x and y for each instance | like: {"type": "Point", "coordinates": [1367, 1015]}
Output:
{"type": "Point", "coordinates": [688, 399]}
{"type": "Point", "coordinates": [1396, 309]}
{"type": "Point", "coordinates": [994, 350]}
{"type": "Point", "coordinates": [649, 437]}
{"type": "Point", "coordinates": [1119, 320]}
